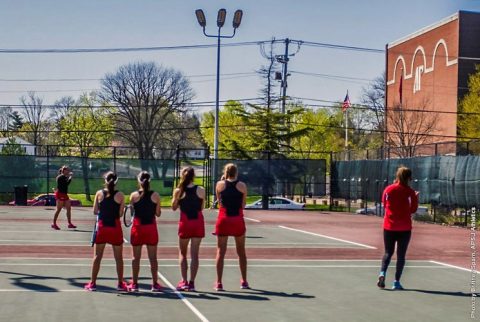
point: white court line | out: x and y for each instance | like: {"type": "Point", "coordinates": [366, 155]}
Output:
{"type": "Point", "coordinates": [40, 241]}
{"type": "Point", "coordinates": [41, 291]}
{"type": "Point", "coordinates": [227, 265]}
{"type": "Point", "coordinates": [325, 236]}
{"type": "Point", "coordinates": [251, 219]}
{"type": "Point", "coordinates": [184, 300]}
{"type": "Point", "coordinates": [453, 266]}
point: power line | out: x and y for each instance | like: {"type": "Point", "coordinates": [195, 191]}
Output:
{"type": "Point", "coordinates": [123, 49]}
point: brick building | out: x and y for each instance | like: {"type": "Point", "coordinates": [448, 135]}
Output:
{"type": "Point", "coordinates": [428, 70]}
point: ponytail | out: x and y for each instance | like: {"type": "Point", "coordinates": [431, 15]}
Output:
{"type": "Point", "coordinates": [186, 177]}
{"type": "Point", "coordinates": [143, 179]}
{"type": "Point", "coordinates": [111, 180]}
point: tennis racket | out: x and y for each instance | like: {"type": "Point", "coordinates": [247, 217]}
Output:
{"type": "Point", "coordinates": [94, 233]}
{"type": "Point", "coordinates": [128, 215]}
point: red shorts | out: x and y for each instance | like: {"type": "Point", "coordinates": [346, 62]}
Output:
{"type": "Point", "coordinates": [143, 234]}
{"type": "Point", "coordinates": [109, 235]}
{"type": "Point", "coordinates": [191, 228]}
{"type": "Point", "coordinates": [61, 196]}
{"type": "Point", "coordinates": [230, 225]}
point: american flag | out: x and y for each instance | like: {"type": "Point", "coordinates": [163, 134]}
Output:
{"type": "Point", "coordinates": [346, 103]}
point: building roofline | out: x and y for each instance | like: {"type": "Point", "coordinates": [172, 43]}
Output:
{"type": "Point", "coordinates": [426, 29]}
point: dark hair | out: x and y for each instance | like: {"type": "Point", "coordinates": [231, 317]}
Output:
{"type": "Point", "coordinates": [144, 182]}
{"type": "Point", "coordinates": [403, 175]}
{"type": "Point", "coordinates": [230, 171]}
{"type": "Point", "coordinates": [63, 167]}
{"type": "Point", "coordinates": [186, 177]}
{"type": "Point", "coordinates": [110, 181]}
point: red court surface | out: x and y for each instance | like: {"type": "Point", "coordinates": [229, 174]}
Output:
{"type": "Point", "coordinates": [303, 266]}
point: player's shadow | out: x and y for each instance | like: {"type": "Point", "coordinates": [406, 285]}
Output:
{"type": "Point", "coordinates": [259, 295]}
{"type": "Point", "coordinates": [34, 282]}
{"type": "Point", "coordinates": [461, 294]}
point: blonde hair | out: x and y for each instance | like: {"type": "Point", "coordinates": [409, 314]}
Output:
{"type": "Point", "coordinates": [230, 171]}
{"type": "Point", "coordinates": [403, 175]}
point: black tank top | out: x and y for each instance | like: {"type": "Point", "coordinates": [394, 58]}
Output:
{"type": "Point", "coordinates": [62, 183]}
{"type": "Point", "coordinates": [109, 209]}
{"type": "Point", "coordinates": [231, 198]}
{"type": "Point", "coordinates": [191, 204]}
{"type": "Point", "coordinates": [145, 208]}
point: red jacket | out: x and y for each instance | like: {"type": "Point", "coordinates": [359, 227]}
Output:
{"type": "Point", "coordinates": [400, 202]}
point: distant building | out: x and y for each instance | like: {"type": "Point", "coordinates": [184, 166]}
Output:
{"type": "Point", "coordinates": [431, 68]}
{"type": "Point", "coordinates": [27, 147]}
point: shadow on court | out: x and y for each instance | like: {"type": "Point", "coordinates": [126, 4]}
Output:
{"type": "Point", "coordinates": [258, 295]}
{"type": "Point", "coordinates": [440, 292]}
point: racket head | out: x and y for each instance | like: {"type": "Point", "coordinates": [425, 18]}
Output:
{"type": "Point", "coordinates": [128, 215]}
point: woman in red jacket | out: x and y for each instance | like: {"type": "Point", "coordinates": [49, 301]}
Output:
{"type": "Point", "coordinates": [400, 202]}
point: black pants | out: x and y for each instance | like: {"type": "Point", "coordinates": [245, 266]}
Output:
{"type": "Point", "coordinates": [401, 238]}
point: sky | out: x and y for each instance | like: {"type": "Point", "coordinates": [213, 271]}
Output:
{"type": "Point", "coordinates": [66, 24]}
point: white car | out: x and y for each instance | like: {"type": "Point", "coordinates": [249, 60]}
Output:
{"type": "Point", "coordinates": [277, 203]}
{"type": "Point", "coordinates": [378, 210]}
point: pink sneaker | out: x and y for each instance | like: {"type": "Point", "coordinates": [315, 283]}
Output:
{"type": "Point", "coordinates": [218, 287]}
{"type": "Point", "coordinates": [90, 286]}
{"type": "Point", "coordinates": [122, 287]}
{"type": "Point", "coordinates": [244, 285]}
{"type": "Point", "coordinates": [182, 286]}
{"type": "Point", "coordinates": [55, 226]}
{"type": "Point", "coordinates": [70, 225]}
{"type": "Point", "coordinates": [156, 287]}
{"type": "Point", "coordinates": [132, 287]}
{"type": "Point", "coordinates": [191, 286]}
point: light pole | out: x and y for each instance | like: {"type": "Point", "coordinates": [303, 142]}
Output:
{"type": "Point", "coordinates": [237, 19]}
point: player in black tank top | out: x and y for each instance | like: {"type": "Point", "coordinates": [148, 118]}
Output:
{"type": "Point", "coordinates": [191, 204]}
{"type": "Point", "coordinates": [145, 208]}
{"type": "Point", "coordinates": [231, 198]}
{"type": "Point", "coordinates": [61, 196]}
{"type": "Point", "coordinates": [108, 206]}
{"type": "Point", "coordinates": [231, 194]}
{"type": "Point", "coordinates": [191, 226]}
{"type": "Point", "coordinates": [146, 204]}
{"type": "Point", "coordinates": [109, 210]}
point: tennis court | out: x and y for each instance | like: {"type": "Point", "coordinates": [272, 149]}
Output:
{"type": "Point", "coordinates": [303, 266]}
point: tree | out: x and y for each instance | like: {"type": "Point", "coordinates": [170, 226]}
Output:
{"type": "Point", "coordinates": [16, 121]}
{"type": "Point", "coordinates": [408, 128]}
{"type": "Point", "coordinates": [373, 99]}
{"type": "Point", "coordinates": [145, 96]}
{"type": "Point", "coordinates": [469, 106]}
{"type": "Point", "coordinates": [322, 137]}
{"type": "Point", "coordinates": [33, 112]}
{"type": "Point", "coordinates": [232, 141]}
{"type": "Point", "coordinates": [11, 147]}
{"type": "Point", "coordinates": [85, 127]}
{"type": "Point", "coordinates": [5, 112]}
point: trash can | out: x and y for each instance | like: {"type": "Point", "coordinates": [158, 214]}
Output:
{"type": "Point", "coordinates": [20, 195]}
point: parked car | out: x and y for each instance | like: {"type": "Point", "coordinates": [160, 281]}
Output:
{"type": "Point", "coordinates": [378, 210]}
{"type": "Point", "coordinates": [277, 203]}
{"type": "Point", "coordinates": [46, 200]}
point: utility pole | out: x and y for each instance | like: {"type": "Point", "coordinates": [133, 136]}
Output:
{"type": "Point", "coordinates": [285, 75]}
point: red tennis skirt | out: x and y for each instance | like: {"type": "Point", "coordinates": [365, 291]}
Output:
{"type": "Point", "coordinates": [191, 228]}
{"type": "Point", "coordinates": [143, 234]}
{"type": "Point", "coordinates": [109, 235]}
{"type": "Point", "coordinates": [61, 196]}
{"type": "Point", "coordinates": [230, 225]}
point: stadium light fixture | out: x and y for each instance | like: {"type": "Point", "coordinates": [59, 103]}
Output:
{"type": "Point", "coordinates": [201, 18]}
{"type": "Point", "coordinates": [222, 14]}
{"type": "Point", "coordinates": [237, 19]}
